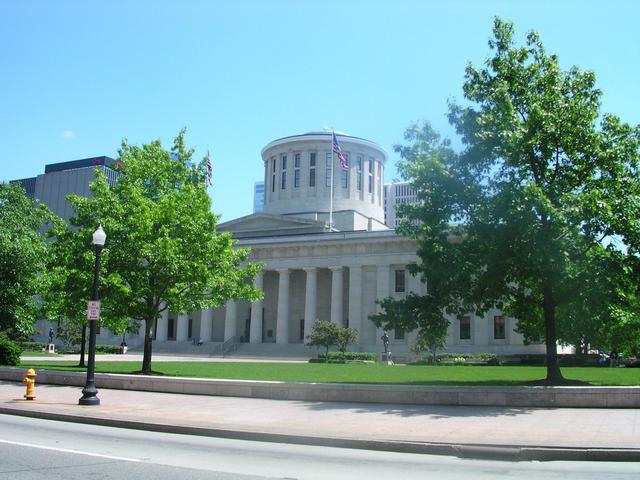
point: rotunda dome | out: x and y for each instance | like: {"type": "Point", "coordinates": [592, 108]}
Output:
{"type": "Point", "coordinates": [299, 172]}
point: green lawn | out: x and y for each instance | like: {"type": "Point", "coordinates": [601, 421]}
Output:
{"type": "Point", "coordinates": [359, 373]}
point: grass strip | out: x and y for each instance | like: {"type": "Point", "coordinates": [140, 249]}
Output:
{"type": "Point", "coordinates": [363, 374]}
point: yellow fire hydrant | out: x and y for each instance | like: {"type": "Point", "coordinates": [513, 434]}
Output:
{"type": "Point", "coordinates": [30, 381]}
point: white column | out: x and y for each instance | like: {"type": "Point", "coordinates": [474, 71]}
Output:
{"type": "Point", "coordinates": [161, 326]}
{"type": "Point", "coordinates": [336, 295]}
{"type": "Point", "coordinates": [355, 299]}
{"type": "Point", "coordinates": [282, 321]}
{"type": "Point", "coordinates": [382, 291]}
{"type": "Point", "coordinates": [230, 320]}
{"type": "Point", "coordinates": [205, 324]}
{"type": "Point", "coordinates": [310, 299]}
{"type": "Point", "coordinates": [182, 331]}
{"type": "Point", "coordinates": [255, 331]}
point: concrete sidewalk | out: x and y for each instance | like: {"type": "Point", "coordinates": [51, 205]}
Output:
{"type": "Point", "coordinates": [484, 432]}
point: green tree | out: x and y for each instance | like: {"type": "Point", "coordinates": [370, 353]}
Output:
{"type": "Point", "coordinates": [415, 312]}
{"type": "Point", "coordinates": [70, 267]}
{"type": "Point", "coordinates": [323, 334]}
{"type": "Point", "coordinates": [345, 336]}
{"type": "Point", "coordinates": [72, 334]}
{"type": "Point", "coordinates": [622, 333]}
{"type": "Point", "coordinates": [22, 259]}
{"type": "Point", "coordinates": [161, 238]}
{"type": "Point", "coordinates": [506, 222]}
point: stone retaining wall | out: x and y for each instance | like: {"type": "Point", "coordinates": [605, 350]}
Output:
{"type": "Point", "coordinates": [535, 396]}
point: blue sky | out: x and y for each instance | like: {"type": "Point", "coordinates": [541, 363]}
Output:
{"type": "Point", "coordinates": [79, 76]}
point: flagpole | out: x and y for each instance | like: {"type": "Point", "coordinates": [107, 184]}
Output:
{"type": "Point", "coordinates": [331, 199]}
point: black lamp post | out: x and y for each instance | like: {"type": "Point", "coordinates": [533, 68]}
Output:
{"type": "Point", "coordinates": [89, 392]}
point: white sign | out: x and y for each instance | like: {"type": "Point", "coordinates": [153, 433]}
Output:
{"type": "Point", "coordinates": [93, 310]}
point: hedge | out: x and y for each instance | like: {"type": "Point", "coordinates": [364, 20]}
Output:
{"type": "Point", "coordinates": [32, 346]}
{"type": "Point", "coordinates": [469, 358]}
{"type": "Point", "coordinates": [344, 357]}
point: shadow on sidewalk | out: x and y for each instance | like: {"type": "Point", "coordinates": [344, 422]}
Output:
{"type": "Point", "coordinates": [432, 411]}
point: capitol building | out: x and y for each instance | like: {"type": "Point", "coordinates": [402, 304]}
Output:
{"type": "Point", "coordinates": [328, 255]}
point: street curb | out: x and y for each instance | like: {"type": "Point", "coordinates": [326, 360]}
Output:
{"type": "Point", "coordinates": [475, 451]}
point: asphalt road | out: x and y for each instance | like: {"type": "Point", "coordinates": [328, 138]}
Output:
{"type": "Point", "coordinates": [43, 449]}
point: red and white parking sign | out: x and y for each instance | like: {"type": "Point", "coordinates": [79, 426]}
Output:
{"type": "Point", "coordinates": [93, 310]}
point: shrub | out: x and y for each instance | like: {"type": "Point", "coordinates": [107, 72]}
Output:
{"type": "Point", "coordinates": [107, 348]}
{"type": "Point", "coordinates": [342, 357]}
{"type": "Point", "coordinates": [32, 346]}
{"type": "Point", "coordinates": [323, 334]}
{"type": "Point", "coordinates": [9, 353]}
{"type": "Point", "coordinates": [631, 362]}
{"type": "Point", "coordinates": [317, 360]}
{"type": "Point", "coordinates": [461, 358]}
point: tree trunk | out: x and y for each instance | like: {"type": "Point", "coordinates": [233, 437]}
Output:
{"type": "Point", "coordinates": [554, 375]}
{"type": "Point", "coordinates": [83, 341]}
{"type": "Point", "coordinates": [148, 344]}
{"type": "Point", "coordinates": [578, 347]}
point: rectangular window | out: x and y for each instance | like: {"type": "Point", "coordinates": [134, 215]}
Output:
{"type": "Point", "coordinates": [370, 174]}
{"type": "Point", "coordinates": [296, 170]}
{"type": "Point", "coordinates": [344, 175]}
{"type": "Point", "coordinates": [400, 281]}
{"type": "Point", "coordinates": [283, 180]}
{"type": "Point", "coordinates": [498, 327]}
{"type": "Point", "coordinates": [171, 329]}
{"type": "Point", "coordinates": [359, 172]}
{"type": "Point", "coordinates": [328, 171]}
{"type": "Point", "coordinates": [273, 174]}
{"type": "Point", "coordinates": [398, 334]}
{"type": "Point", "coordinates": [465, 328]}
{"type": "Point", "coordinates": [379, 182]}
{"type": "Point", "coordinates": [312, 169]}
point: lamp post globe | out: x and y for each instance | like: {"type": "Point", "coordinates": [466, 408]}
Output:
{"type": "Point", "coordinates": [89, 392]}
{"type": "Point", "coordinates": [99, 236]}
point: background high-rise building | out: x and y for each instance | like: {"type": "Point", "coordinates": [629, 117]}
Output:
{"type": "Point", "coordinates": [258, 196]}
{"type": "Point", "coordinates": [61, 179]}
{"type": "Point", "coordinates": [395, 194]}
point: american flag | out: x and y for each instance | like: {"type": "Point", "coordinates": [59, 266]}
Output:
{"type": "Point", "coordinates": [209, 168]}
{"type": "Point", "coordinates": [344, 163]}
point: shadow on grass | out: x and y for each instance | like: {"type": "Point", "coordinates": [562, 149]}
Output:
{"type": "Point", "coordinates": [564, 383]}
